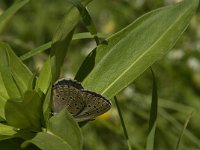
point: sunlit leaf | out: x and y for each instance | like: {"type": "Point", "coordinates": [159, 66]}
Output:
{"type": "Point", "coordinates": [124, 56]}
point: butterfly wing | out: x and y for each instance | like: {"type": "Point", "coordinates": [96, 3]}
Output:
{"type": "Point", "coordinates": [95, 106]}
{"type": "Point", "coordinates": [66, 94]}
{"type": "Point", "coordinates": [71, 83]}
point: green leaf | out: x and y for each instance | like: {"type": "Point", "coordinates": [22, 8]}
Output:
{"type": "Point", "coordinates": [15, 77]}
{"type": "Point", "coordinates": [8, 87]}
{"type": "Point", "coordinates": [151, 138]}
{"type": "Point", "coordinates": [86, 18]}
{"type": "Point", "coordinates": [153, 116]}
{"type": "Point", "coordinates": [47, 141]}
{"type": "Point", "coordinates": [4, 18]}
{"type": "Point", "coordinates": [59, 49]}
{"type": "Point", "coordinates": [44, 84]}
{"type": "Point", "coordinates": [36, 51]}
{"type": "Point", "coordinates": [114, 64]}
{"type": "Point", "coordinates": [44, 78]}
{"type": "Point", "coordinates": [183, 130]}
{"type": "Point", "coordinates": [20, 73]}
{"type": "Point", "coordinates": [123, 124]}
{"type": "Point", "coordinates": [25, 113]}
{"type": "Point", "coordinates": [2, 106]}
{"type": "Point", "coordinates": [47, 107]}
{"type": "Point", "coordinates": [11, 88]}
{"type": "Point", "coordinates": [46, 46]}
{"type": "Point", "coordinates": [64, 126]}
{"type": "Point", "coordinates": [3, 91]}
{"type": "Point", "coordinates": [6, 132]}
{"type": "Point", "coordinates": [62, 133]}
{"type": "Point", "coordinates": [62, 39]}
{"type": "Point", "coordinates": [32, 82]}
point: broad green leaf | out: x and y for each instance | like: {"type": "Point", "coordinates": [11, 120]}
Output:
{"type": "Point", "coordinates": [25, 112]}
{"type": "Point", "coordinates": [14, 76]}
{"type": "Point", "coordinates": [6, 132]}
{"type": "Point", "coordinates": [4, 64]}
{"type": "Point", "coordinates": [11, 88]}
{"type": "Point", "coordinates": [20, 73]}
{"type": "Point", "coordinates": [48, 141]}
{"type": "Point", "coordinates": [8, 87]}
{"type": "Point", "coordinates": [10, 12]}
{"type": "Point", "coordinates": [44, 78]}
{"type": "Point", "coordinates": [124, 56]}
{"type": "Point", "coordinates": [64, 126]}
{"type": "Point", "coordinates": [62, 133]}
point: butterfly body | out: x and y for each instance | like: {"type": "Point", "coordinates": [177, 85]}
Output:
{"type": "Point", "coordinates": [84, 105]}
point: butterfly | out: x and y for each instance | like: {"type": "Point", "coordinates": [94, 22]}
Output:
{"type": "Point", "coordinates": [84, 105]}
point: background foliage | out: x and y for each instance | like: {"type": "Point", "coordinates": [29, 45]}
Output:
{"type": "Point", "coordinates": [177, 74]}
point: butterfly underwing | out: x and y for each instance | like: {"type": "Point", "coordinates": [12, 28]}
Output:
{"type": "Point", "coordinates": [84, 105]}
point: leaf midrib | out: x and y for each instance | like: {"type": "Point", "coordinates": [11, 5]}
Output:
{"type": "Point", "coordinates": [149, 49]}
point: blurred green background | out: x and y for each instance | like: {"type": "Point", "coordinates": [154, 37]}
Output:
{"type": "Point", "coordinates": [177, 74]}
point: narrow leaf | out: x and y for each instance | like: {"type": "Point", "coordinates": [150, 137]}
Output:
{"type": "Point", "coordinates": [46, 46]}
{"type": "Point", "coordinates": [47, 106]}
{"type": "Point", "coordinates": [62, 39]}
{"type": "Point", "coordinates": [123, 124]}
{"type": "Point", "coordinates": [182, 132]}
{"type": "Point", "coordinates": [153, 116]}
{"type": "Point", "coordinates": [10, 12]}
{"type": "Point", "coordinates": [86, 19]}
{"type": "Point", "coordinates": [2, 105]}
{"type": "Point", "coordinates": [44, 78]}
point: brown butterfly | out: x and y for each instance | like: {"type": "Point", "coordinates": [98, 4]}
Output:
{"type": "Point", "coordinates": [84, 105]}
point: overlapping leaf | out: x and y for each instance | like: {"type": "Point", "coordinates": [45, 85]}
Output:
{"type": "Point", "coordinates": [124, 56]}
